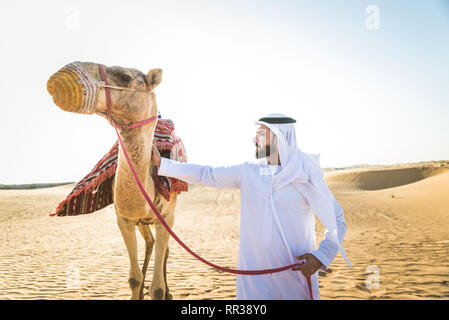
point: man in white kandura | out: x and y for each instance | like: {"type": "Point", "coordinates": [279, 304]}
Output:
{"type": "Point", "coordinates": [279, 196]}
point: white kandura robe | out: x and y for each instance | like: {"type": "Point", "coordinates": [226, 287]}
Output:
{"type": "Point", "coordinates": [261, 243]}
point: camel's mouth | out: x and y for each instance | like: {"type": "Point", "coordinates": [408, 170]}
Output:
{"type": "Point", "coordinates": [70, 90]}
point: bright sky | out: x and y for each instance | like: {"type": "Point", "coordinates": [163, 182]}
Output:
{"type": "Point", "coordinates": [366, 84]}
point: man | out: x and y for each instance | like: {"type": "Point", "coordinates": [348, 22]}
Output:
{"type": "Point", "coordinates": [279, 196]}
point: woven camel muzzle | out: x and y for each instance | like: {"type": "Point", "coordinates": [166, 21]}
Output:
{"type": "Point", "coordinates": [73, 89]}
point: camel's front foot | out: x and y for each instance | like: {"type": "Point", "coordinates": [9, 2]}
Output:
{"type": "Point", "coordinates": [157, 294]}
{"type": "Point", "coordinates": [160, 293]}
{"type": "Point", "coordinates": [168, 295]}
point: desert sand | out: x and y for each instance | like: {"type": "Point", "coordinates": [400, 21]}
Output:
{"type": "Point", "coordinates": [397, 217]}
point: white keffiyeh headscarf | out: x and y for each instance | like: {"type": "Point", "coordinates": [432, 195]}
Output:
{"type": "Point", "coordinates": [303, 170]}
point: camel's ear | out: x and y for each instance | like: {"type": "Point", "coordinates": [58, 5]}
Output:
{"type": "Point", "coordinates": [154, 77]}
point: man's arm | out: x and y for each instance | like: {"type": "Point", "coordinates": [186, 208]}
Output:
{"type": "Point", "coordinates": [328, 249]}
{"type": "Point", "coordinates": [220, 177]}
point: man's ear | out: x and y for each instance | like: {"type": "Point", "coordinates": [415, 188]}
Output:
{"type": "Point", "coordinates": [154, 77]}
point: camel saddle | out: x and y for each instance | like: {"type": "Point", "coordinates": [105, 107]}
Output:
{"type": "Point", "coordinates": [95, 190]}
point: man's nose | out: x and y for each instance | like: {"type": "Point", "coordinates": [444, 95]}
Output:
{"type": "Point", "coordinates": [255, 139]}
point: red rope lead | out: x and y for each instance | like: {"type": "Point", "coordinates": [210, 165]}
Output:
{"type": "Point", "coordinates": [166, 226]}
{"type": "Point", "coordinates": [309, 284]}
{"type": "Point", "coordinates": [170, 231]}
{"type": "Point", "coordinates": [162, 220]}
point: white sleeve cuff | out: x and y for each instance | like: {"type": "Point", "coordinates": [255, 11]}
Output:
{"type": "Point", "coordinates": [324, 260]}
{"type": "Point", "coordinates": [162, 171]}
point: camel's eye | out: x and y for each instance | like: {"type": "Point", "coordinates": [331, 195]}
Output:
{"type": "Point", "coordinates": [124, 78]}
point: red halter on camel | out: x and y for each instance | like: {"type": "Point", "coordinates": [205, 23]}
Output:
{"type": "Point", "coordinates": [123, 128]}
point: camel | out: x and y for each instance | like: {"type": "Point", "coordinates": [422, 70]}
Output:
{"type": "Point", "coordinates": [70, 94]}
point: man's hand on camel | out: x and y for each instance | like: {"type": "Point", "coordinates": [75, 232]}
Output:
{"type": "Point", "coordinates": [156, 157]}
{"type": "Point", "coordinates": [311, 265]}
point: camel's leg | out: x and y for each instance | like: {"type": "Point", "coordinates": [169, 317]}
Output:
{"type": "Point", "coordinates": [158, 285]}
{"type": "Point", "coordinates": [168, 296]}
{"type": "Point", "coordinates": [128, 230]}
{"type": "Point", "coordinates": [149, 243]}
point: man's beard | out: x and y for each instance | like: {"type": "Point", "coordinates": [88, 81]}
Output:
{"type": "Point", "coordinates": [264, 152]}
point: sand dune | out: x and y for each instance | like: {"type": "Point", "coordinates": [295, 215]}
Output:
{"type": "Point", "coordinates": [383, 178]}
{"type": "Point", "coordinates": [397, 221]}
{"type": "Point", "coordinates": [402, 231]}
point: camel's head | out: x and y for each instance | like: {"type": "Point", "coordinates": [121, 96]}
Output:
{"type": "Point", "coordinates": [74, 88]}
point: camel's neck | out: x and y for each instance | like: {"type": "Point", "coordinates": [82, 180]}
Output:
{"type": "Point", "coordinates": [138, 143]}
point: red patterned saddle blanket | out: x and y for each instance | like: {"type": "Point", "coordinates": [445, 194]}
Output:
{"type": "Point", "coordinates": [94, 191]}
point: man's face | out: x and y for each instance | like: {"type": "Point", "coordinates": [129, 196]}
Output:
{"type": "Point", "coordinates": [265, 142]}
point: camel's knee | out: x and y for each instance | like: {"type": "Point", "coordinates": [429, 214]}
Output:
{"type": "Point", "coordinates": [135, 279]}
{"type": "Point", "coordinates": [134, 283]}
